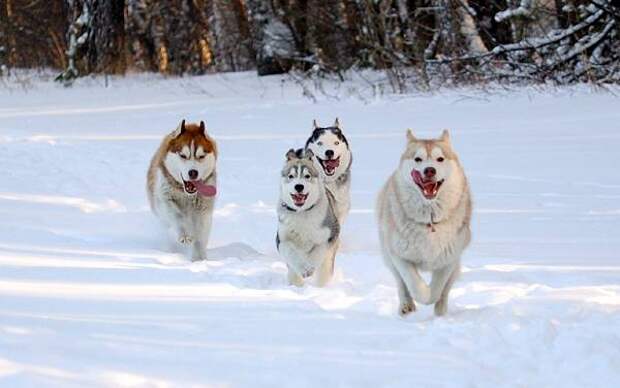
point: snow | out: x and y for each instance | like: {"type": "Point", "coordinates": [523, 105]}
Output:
{"type": "Point", "coordinates": [92, 294]}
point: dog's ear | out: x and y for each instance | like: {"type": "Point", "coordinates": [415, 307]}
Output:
{"type": "Point", "coordinates": [291, 154]}
{"type": "Point", "coordinates": [445, 136]}
{"type": "Point", "coordinates": [203, 127]}
{"type": "Point", "coordinates": [411, 137]}
{"type": "Point", "coordinates": [315, 125]}
{"type": "Point", "coordinates": [337, 123]}
{"type": "Point", "coordinates": [309, 154]}
{"type": "Point", "coordinates": [180, 129]}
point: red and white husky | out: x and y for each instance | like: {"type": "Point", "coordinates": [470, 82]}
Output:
{"type": "Point", "coordinates": [181, 185]}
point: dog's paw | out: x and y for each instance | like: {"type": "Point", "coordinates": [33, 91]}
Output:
{"type": "Point", "coordinates": [307, 272]}
{"type": "Point", "coordinates": [185, 240]}
{"type": "Point", "coordinates": [199, 254]}
{"type": "Point", "coordinates": [294, 279]}
{"type": "Point", "coordinates": [441, 308]}
{"type": "Point", "coordinates": [406, 308]}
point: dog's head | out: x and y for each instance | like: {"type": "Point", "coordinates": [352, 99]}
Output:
{"type": "Point", "coordinates": [427, 164]}
{"type": "Point", "coordinates": [301, 185]}
{"type": "Point", "coordinates": [330, 147]}
{"type": "Point", "coordinates": [191, 156]}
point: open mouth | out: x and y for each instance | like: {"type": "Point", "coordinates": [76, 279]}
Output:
{"type": "Point", "coordinates": [299, 199]}
{"type": "Point", "coordinates": [428, 186]}
{"type": "Point", "coordinates": [329, 165]}
{"type": "Point", "coordinates": [190, 187]}
{"type": "Point", "coordinates": [195, 186]}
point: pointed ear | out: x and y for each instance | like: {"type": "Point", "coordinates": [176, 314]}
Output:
{"type": "Point", "coordinates": [410, 136]}
{"type": "Point", "coordinates": [309, 154]}
{"type": "Point", "coordinates": [337, 123]}
{"type": "Point", "coordinates": [445, 136]}
{"type": "Point", "coordinates": [291, 154]}
{"type": "Point", "coordinates": [315, 125]}
{"type": "Point", "coordinates": [203, 127]}
{"type": "Point", "coordinates": [180, 129]}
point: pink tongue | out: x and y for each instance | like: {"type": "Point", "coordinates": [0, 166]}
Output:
{"type": "Point", "coordinates": [332, 163]}
{"type": "Point", "coordinates": [206, 190]}
{"type": "Point", "coordinates": [429, 188]}
{"type": "Point", "coordinates": [417, 177]}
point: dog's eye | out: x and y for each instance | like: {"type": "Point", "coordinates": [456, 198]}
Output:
{"type": "Point", "coordinates": [319, 143]}
{"type": "Point", "coordinates": [336, 143]}
{"type": "Point", "coordinates": [418, 159]}
{"type": "Point", "coordinates": [183, 156]}
{"type": "Point", "coordinates": [201, 157]}
{"type": "Point", "coordinates": [291, 176]}
{"type": "Point", "coordinates": [440, 159]}
{"type": "Point", "coordinates": [307, 176]}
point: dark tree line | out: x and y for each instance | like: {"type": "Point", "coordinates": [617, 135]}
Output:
{"type": "Point", "coordinates": [411, 40]}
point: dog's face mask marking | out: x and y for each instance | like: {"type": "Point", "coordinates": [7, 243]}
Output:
{"type": "Point", "coordinates": [331, 150]}
{"type": "Point", "coordinates": [300, 186]}
{"type": "Point", "coordinates": [191, 158]}
{"type": "Point", "coordinates": [428, 164]}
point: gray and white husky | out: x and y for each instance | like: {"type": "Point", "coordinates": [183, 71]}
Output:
{"type": "Point", "coordinates": [308, 230]}
{"type": "Point", "coordinates": [333, 158]}
{"type": "Point", "coordinates": [424, 213]}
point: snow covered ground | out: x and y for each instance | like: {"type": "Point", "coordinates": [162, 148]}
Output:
{"type": "Point", "coordinates": [92, 295]}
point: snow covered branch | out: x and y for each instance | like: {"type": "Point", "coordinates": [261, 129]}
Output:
{"type": "Point", "coordinates": [553, 38]}
{"type": "Point", "coordinates": [524, 10]}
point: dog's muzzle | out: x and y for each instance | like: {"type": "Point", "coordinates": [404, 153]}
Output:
{"type": "Point", "coordinates": [428, 186]}
{"type": "Point", "coordinates": [299, 199]}
{"type": "Point", "coordinates": [193, 187]}
{"type": "Point", "coordinates": [329, 165]}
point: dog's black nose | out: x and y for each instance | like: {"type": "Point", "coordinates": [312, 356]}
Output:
{"type": "Point", "coordinates": [299, 188]}
{"type": "Point", "coordinates": [430, 172]}
{"type": "Point", "coordinates": [193, 174]}
{"type": "Point", "coordinates": [329, 154]}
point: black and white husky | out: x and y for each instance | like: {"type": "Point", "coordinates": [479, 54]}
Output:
{"type": "Point", "coordinates": [333, 158]}
{"type": "Point", "coordinates": [308, 230]}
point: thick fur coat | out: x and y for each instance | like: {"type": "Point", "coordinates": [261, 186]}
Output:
{"type": "Point", "coordinates": [181, 185]}
{"type": "Point", "coordinates": [333, 160]}
{"type": "Point", "coordinates": [308, 230]}
{"type": "Point", "coordinates": [424, 222]}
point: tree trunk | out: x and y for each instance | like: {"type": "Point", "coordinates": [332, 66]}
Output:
{"type": "Point", "coordinates": [31, 33]}
{"type": "Point", "coordinates": [469, 30]}
{"type": "Point", "coordinates": [106, 41]}
{"type": "Point", "coordinates": [273, 39]}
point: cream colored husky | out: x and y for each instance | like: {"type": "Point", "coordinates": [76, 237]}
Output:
{"type": "Point", "coordinates": [424, 213]}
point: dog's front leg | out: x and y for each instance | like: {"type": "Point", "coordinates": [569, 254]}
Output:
{"type": "Point", "coordinates": [325, 270]}
{"type": "Point", "coordinates": [439, 280]}
{"type": "Point", "coordinates": [201, 231]}
{"type": "Point", "coordinates": [294, 278]}
{"type": "Point", "coordinates": [443, 288]}
{"type": "Point", "coordinates": [415, 283]}
{"type": "Point", "coordinates": [173, 217]}
{"type": "Point", "coordinates": [297, 263]}
{"type": "Point", "coordinates": [407, 305]}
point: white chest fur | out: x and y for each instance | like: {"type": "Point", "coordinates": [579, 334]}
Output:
{"type": "Point", "coordinates": [167, 195]}
{"type": "Point", "coordinates": [303, 229]}
{"type": "Point", "coordinates": [414, 237]}
{"type": "Point", "coordinates": [430, 247]}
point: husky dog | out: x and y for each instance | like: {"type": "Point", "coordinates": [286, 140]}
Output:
{"type": "Point", "coordinates": [308, 230]}
{"type": "Point", "coordinates": [332, 157]}
{"type": "Point", "coordinates": [424, 213]}
{"type": "Point", "coordinates": [181, 185]}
